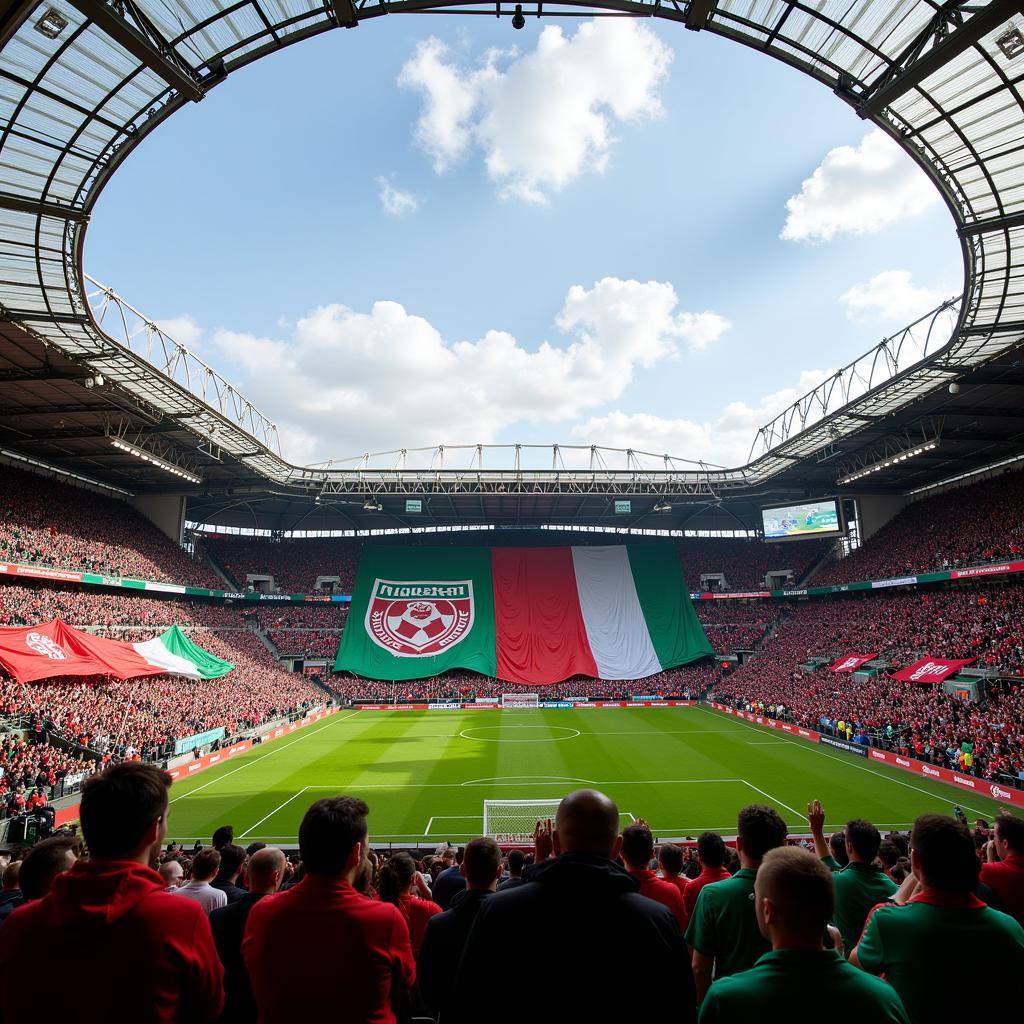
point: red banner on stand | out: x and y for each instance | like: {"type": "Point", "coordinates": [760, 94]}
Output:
{"type": "Point", "coordinates": [852, 662]}
{"type": "Point", "coordinates": [931, 670]}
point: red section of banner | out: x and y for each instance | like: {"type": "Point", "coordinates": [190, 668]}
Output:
{"type": "Point", "coordinates": [852, 662]}
{"type": "Point", "coordinates": [538, 623]}
{"type": "Point", "coordinates": [931, 670]}
{"type": "Point", "coordinates": [55, 649]}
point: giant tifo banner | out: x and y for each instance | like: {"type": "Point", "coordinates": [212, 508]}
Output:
{"type": "Point", "coordinates": [852, 662]}
{"type": "Point", "coordinates": [931, 670]}
{"type": "Point", "coordinates": [527, 615]}
{"type": "Point", "coordinates": [56, 649]}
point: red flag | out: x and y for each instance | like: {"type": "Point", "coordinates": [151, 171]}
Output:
{"type": "Point", "coordinates": [931, 670]}
{"type": "Point", "coordinates": [852, 662]}
{"type": "Point", "coordinates": [55, 649]}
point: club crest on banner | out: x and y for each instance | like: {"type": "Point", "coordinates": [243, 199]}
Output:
{"type": "Point", "coordinates": [45, 646]}
{"type": "Point", "coordinates": [418, 619]}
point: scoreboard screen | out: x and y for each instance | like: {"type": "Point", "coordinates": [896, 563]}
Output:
{"type": "Point", "coordinates": [807, 519]}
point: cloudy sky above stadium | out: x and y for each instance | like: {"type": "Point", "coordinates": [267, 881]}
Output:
{"type": "Point", "coordinates": [436, 229]}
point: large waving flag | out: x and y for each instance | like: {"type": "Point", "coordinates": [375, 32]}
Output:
{"type": "Point", "coordinates": [57, 649]}
{"type": "Point", "coordinates": [526, 615]}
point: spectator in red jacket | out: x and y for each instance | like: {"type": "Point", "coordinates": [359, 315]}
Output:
{"type": "Point", "coordinates": [637, 854]}
{"type": "Point", "coordinates": [1005, 877]}
{"type": "Point", "coordinates": [321, 950]}
{"type": "Point", "coordinates": [123, 948]}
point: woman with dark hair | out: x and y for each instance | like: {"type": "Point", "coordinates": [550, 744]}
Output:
{"type": "Point", "coordinates": [396, 881]}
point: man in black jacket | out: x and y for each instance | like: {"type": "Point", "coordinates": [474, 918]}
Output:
{"type": "Point", "coordinates": [266, 869]}
{"type": "Point", "coordinates": [447, 933]}
{"type": "Point", "coordinates": [591, 946]}
{"type": "Point", "coordinates": [232, 858]}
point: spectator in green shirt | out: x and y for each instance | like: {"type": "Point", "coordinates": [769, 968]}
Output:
{"type": "Point", "coordinates": [793, 902]}
{"type": "Point", "coordinates": [860, 885]}
{"type": "Point", "coordinates": [943, 943]}
{"type": "Point", "coordinates": [723, 932]}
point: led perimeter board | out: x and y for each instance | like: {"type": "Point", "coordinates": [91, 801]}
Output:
{"type": "Point", "coordinates": [807, 519]}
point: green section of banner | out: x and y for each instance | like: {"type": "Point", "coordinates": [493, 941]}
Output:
{"type": "Point", "coordinates": [389, 581]}
{"type": "Point", "coordinates": [676, 633]}
{"type": "Point", "coordinates": [208, 665]}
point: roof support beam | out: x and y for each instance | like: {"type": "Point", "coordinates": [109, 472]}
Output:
{"type": "Point", "coordinates": [981, 227]}
{"type": "Point", "coordinates": [345, 15]}
{"type": "Point", "coordinates": [698, 14]}
{"type": "Point", "coordinates": [41, 208]}
{"type": "Point", "coordinates": [914, 65]}
{"type": "Point", "coordinates": [13, 14]}
{"type": "Point", "coordinates": [144, 43]}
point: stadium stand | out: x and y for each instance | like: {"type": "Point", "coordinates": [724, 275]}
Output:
{"type": "Point", "coordinates": [967, 526]}
{"type": "Point", "coordinates": [923, 721]}
{"type": "Point", "coordinates": [294, 564]}
{"type": "Point", "coordinates": [49, 523]}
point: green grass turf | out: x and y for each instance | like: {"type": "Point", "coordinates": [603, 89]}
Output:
{"type": "Point", "coordinates": [683, 769]}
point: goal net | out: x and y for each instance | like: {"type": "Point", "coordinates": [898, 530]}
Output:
{"type": "Point", "coordinates": [520, 700]}
{"type": "Point", "coordinates": [513, 821]}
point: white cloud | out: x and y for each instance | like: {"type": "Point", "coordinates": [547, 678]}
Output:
{"type": "Point", "coordinates": [891, 295]}
{"type": "Point", "coordinates": [858, 190]}
{"type": "Point", "coordinates": [182, 329]}
{"type": "Point", "coordinates": [725, 439]}
{"type": "Point", "coordinates": [347, 382]}
{"type": "Point", "coordinates": [394, 200]}
{"type": "Point", "coordinates": [541, 118]}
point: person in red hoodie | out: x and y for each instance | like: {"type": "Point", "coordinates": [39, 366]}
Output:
{"type": "Point", "coordinates": [1005, 877]}
{"type": "Point", "coordinates": [321, 951]}
{"type": "Point", "coordinates": [637, 852]}
{"type": "Point", "coordinates": [124, 948]}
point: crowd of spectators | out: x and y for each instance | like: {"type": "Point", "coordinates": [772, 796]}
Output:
{"type": "Point", "coordinates": [295, 563]}
{"type": "Point", "coordinates": [685, 683]}
{"type": "Point", "coordinates": [28, 605]}
{"type": "Point", "coordinates": [306, 643]}
{"type": "Point", "coordinates": [917, 720]}
{"type": "Point", "coordinates": [30, 772]}
{"type": "Point", "coordinates": [863, 926]}
{"type": "Point", "coordinates": [971, 525]}
{"type": "Point", "coordinates": [736, 625]}
{"type": "Point", "coordinates": [49, 523]}
{"type": "Point", "coordinates": [746, 561]}
{"type": "Point", "coordinates": [143, 717]}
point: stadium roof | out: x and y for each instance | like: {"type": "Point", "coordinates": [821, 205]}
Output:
{"type": "Point", "coordinates": [84, 81]}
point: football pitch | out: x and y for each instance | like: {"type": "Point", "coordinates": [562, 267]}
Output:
{"type": "Point", "coordinates": [426, 774]}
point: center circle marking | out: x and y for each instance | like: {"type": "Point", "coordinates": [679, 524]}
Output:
{"type": "Point", "coordinates": [571, 734]}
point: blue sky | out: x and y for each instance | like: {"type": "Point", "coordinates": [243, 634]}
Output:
{"type": "Point", "coordinates": [584, 242]}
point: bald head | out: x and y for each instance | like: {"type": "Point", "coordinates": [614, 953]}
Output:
{"type": "Point", "coordinates": [587, 822]}
{"type": "Point", "coordinates": [266, 870]}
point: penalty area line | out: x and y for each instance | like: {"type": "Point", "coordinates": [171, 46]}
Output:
{"type": "Point", "coordinates": [274, 811]}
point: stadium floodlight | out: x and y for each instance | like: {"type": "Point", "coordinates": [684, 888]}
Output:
{"type": "Point", "coordinates": [887, 463]}
{"type": "Point", "coordinates": [518, 21]}
{"type": "Point", "coordinates": [372, 505]}
{"type": "Point", "coordinates": [154, 460]}
{"type": "Point", "coordinates": [662, 506]}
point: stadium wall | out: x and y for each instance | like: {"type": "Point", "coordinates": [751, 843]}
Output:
{"type": "Point", "coordinates": [959, 780]}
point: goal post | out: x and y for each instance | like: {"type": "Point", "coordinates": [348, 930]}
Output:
{"type": "Point", "coordinates": [520, 700]}
{"type": "Point", "coordinates": [513, 821]}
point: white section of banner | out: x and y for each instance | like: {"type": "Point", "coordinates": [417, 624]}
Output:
{"type": "Point", "coordinates": [156, 654]}
{"type": "Point", "coordinates": [616, 627]}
